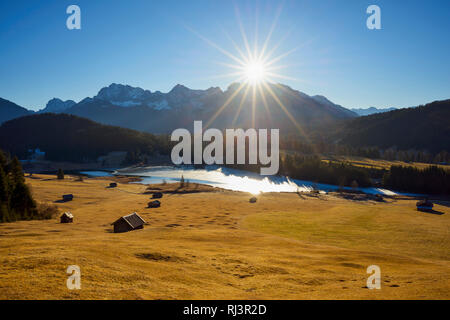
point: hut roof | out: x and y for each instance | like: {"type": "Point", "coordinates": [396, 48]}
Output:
{"type": "Point", "coordinates": [133, 219]}
{"type": "Point", "coordinates": [67, 214]}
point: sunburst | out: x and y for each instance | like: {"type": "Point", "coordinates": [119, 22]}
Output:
{"type": "Point", "coordinates": [255, 69]}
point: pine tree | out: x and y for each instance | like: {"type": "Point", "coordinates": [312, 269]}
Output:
{"type": "Point", "coordinates": [182, 181]}
{"type": "Point", "coordinates": [3, 161]}
{"type": "Point", "coordinates": [16, 200]}
{"type": "Point", "coordinates": [60, 174]}
{"type": "Point", "coordinates": [4, 213]}
{"type": "Point", "coordinates": [4, 190]}
{"type": "Point", "coordinates": [22, 202]}
{"type": "Point", "coordinates": [16, 172]}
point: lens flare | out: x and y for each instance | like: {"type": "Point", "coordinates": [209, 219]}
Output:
{"type": "Point", "coordinates": [255, 71]}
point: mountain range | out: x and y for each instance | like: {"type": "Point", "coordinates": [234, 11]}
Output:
{"type": "Point", "coordinates": [371, 110]}
{"type": "Point", "coordinates": [422, 128]}
{"type": "Point", "coordinates": [156, 112]}
{"type": "Point", "coordinates": [280, 107]}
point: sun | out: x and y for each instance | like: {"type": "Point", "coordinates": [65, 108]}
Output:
{"type": "Point", "coordinates": [255, 71]}
{"type": "Point", "coordinates": [255, 63]}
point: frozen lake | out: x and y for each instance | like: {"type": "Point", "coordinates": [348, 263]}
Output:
{"type": "Point", "coordinates": [230, 179]}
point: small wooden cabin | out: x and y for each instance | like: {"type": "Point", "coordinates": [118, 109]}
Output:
{"type": "Point", "coordinates": [113, 185]}
{"type": "Point", "coordinates": [157, 195]}
{"type": "Point", "coordinates": [154, 204]}
{"type": "Point", "coordinates": [67, 197]}
{"type": "Point", "coordinates": [128, 223]}
{"type": "Point", "coordinates": [66, 217]}
{"type": "Point", "coordinates": [424, 205]}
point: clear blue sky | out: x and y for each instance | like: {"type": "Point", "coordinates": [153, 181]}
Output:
{"type": "Point", "coordinates": [149, 44]}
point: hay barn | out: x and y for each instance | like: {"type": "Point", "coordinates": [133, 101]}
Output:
{"type": "Point", "coordinates": [66, 217]}
{"type": "Point", "coordinates": [424, 205]}
{"type": "Point", "coordinates": [67, 197]}
{"type": "Point", "coordinates": [128, 223]}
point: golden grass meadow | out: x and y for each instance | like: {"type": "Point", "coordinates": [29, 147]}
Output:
{"type": "Point", "coordinates": [215, 244]}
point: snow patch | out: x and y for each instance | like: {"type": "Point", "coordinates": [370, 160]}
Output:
{"type": "Point", "coordinates": [125, 103]}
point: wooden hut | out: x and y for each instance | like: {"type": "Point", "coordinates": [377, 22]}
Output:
{"type": "Point", "coordinates": [424, 205]}
{"type": "Point", "coordinates": [154, 204]}
{"type": "Point", "coordinates": [113, 185]}
{"type": "Point", "coordinates": [67, 197]}
{"type": "Point", "coordinates": [128, 223]}
{"type": "Point", "coordinates": [157, 195]}
{"type": "Point", "coordinates": [66, 217]}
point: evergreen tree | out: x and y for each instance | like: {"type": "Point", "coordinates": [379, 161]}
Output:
{"type": "Point", "coordinates": [4, 190]}
{"type": "Point", "coordinates": [3, 161]}
{"type": "Point", "coordinates": [4, 213]}
{"type": "Point", "coordinates": [60, 174]}
{"type": "Point", "coordinates": [16, 172]}
{"type": "Point", "coordinates": [4, 196]}
{"type": "Point", "coordinates": [16, 200]}
{"type": "Point", "coordinates": [22, 202]}
{"type": "Point", "coordinates": [182, 181]}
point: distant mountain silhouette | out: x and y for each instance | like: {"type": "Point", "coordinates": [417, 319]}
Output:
{"type": "Point", "coordinates": [371, 110]}
{"type": "Point", "coordinates": [323, 100]}
{"type": "Point", "coordinates": [158, 112]}
{"type": "Point", "coordinates": [9, 110]}
{"type": "Point", "coordinates": [424, 127]}
{"type": "Point", "coordinates": [56, 105]}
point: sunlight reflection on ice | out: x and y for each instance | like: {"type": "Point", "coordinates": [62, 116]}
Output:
{"type": "Point", "coordinates": [233, 179]}
{"type": "Point", "coordinates": [229, 179]}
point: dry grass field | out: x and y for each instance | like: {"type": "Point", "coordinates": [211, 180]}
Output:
{"type": "Point", "coordinates": [383, 164]}
{"type": "Point", "coordinates": [214, 244]}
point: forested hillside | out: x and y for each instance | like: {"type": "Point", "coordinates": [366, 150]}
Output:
{"type": "Point", "coordinates": [70, 138]}
{"type": "Point", "coordinates": [423, 128]}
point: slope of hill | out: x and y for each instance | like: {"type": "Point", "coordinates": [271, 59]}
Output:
{"type": "Point", "coordinates": [426, 128]}
{"type": "Point", "coordinates": [9, 110]}
{"type": "Point", "coordinates": [371, 110]}
{"type": "Point", "coordinates": [324, 100]}
{"type": "Point", "coordinates": [71, 138]}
